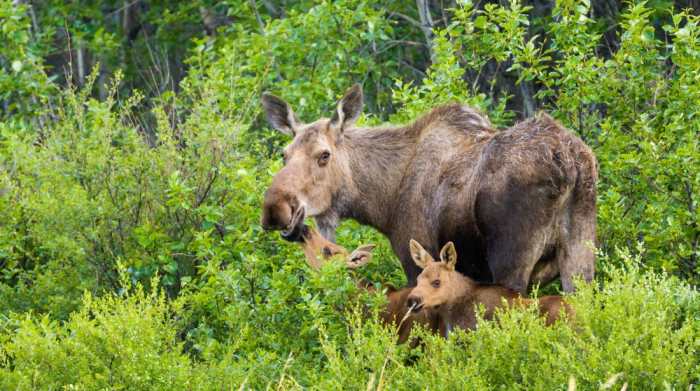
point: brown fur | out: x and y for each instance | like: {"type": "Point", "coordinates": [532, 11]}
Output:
{"type": "Point", "coordinates": [455, 298]}
{"type": "Point", "coordinates": [318, 249]}
{"type": "Point", "coordinates": [519, 204]}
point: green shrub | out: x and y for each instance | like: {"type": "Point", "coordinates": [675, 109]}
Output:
{"type": "Point", "coordinates": [639, 328]}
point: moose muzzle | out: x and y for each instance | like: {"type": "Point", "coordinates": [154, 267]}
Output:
{"type": "Point", "coordinates": [283, 212]}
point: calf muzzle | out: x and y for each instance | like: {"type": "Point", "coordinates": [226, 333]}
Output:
{"type": "Point", "coordinates": [414, 303]}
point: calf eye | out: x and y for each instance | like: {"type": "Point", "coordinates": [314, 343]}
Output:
{"type": "Point", "coordinates": [435, 284]}
{"type": "Point", "coordinates": [324, 158]}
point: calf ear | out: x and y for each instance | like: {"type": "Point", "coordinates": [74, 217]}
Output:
{"type": "Point", "coordinates": [419, 255]}
{"type": "Point", "coordinates": [448, 254]}
{"type": "Point", "coordinates": [348, 109]}
{"type": "Point", "coordinates": [366, 247]}
{"type": "Point", "coordinates": [360, 256]}
{"type": "Point", "coordinates": [280, 114]}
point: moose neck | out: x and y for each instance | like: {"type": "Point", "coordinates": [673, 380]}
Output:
{"type": "Point", "coordinates": [377, 162]}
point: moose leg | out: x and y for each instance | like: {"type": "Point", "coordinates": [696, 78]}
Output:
{"type": "Point", "coordinates": [512, 259]}
{"type": "Point", "coordinates": [577, 256]}
{"type": "Point", "coordinates": [517, 226]}
{"type": "Point", "coordinates": [544, 272]}
{"type": "Point", "coordinates": [400, 244]}
{"type": "Point", "coordinates": [578, 238]}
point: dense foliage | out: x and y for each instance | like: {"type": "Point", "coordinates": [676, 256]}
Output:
{"type": "Point", "coordinates": [133, 158]}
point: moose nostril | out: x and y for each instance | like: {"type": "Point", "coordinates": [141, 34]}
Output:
{"type": "Point", "coordinates": [276, 214]}
{"type": "Point", "coordinates": [413, 302]}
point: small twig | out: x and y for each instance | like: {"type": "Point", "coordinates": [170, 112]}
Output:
{"type": "Point", "coordinates": [413, 68]}
{"type": "Point", "coordinates": [406, 18]}
{"type": "Point", "coordinates": [284, 370]}
{"type": "Point", "coordinates": [211, 179]}
{"type": "Point", "coordinates": [426, 25]}
{"type": "Point", "coordinates": [408, 313]}
{"type": "Point", "coordinates": [125, 6]}
{"type": "Point", "coordinates": [254, 4]}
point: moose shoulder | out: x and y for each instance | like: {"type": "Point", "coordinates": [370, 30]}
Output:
{"type": "Point", "coordinates": [519, 204]}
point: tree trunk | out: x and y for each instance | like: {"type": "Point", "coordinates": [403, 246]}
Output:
{"type": "Point", "coordinates": [426, 25]}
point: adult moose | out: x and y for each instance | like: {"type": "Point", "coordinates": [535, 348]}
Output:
{"type": "Point", "coordinates": [519, 204]}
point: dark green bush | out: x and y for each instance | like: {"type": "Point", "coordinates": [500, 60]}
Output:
{"type": "Point", "coordinates": [639, 328]}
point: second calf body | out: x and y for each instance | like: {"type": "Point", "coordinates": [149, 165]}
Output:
{"type": "Point", "coordinates": [455, 298]}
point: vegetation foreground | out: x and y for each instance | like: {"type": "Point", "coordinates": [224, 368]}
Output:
{"type": "Point", "coordinates": [131, 251]}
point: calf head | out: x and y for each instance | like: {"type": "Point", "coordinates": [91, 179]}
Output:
{"type": "Point", "coordinates": [315, 162]}
{"type": "Point", "coordinates": [360, 256]}
{"type": "Point", "coordinates": [438, 282]}
{"type": "Point", "coordinates": [318, 249]}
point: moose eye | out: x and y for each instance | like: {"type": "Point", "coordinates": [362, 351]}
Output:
{"type": "Point", "coordinates": [324, 158]}
{"type": "Point", "coordinates": [435, 283]}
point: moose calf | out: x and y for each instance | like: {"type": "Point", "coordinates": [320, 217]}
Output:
{"type": "Point", "coordinates": [443, 291]}
{"type": "Point", "coordinates": [318, 249]}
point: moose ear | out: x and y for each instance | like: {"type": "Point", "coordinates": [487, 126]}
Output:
{"type": "Point", "coordinates": [419, 255]}
{"type": "Point", "coordinates": [348, 109]}
{"type": "Point", "coordinates": [279, 114]}
{"type": "Point", "coordinates": [448, 254]}
{"type": "Point", "coordinates": [360, 256]}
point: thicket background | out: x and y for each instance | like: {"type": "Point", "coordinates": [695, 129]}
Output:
{"type": "Point", "coordinates": [133, 158]}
